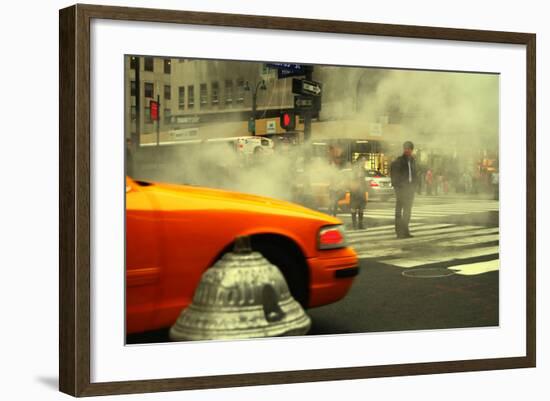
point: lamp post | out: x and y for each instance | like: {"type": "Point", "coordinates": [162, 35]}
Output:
{"type": "Point", "coordinates": [252, 121]}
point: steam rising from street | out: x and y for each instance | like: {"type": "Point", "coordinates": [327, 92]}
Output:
{"type": "Point", "coordinates": [440, 109]}
{"type": "Point", "coordinates": [448, 113]}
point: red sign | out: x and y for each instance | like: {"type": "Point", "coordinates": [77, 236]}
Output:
{"type": "Point", "coordinates": [154, 110]}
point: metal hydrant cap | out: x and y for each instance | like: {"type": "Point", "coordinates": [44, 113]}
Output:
{"type": "Point", "coordinates": [241, 296]}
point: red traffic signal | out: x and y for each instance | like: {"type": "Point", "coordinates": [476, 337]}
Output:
{"type": "Point", "coordinates": [288, 121]}
{"type": "Point", "coordinates": [154, 107]}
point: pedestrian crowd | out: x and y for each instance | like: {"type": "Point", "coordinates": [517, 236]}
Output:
{"type": "Point", "coordinates": [469, 181]}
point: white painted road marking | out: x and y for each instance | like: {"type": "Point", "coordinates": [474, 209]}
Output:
{"type": "Point", "coordinates": [476, 268]}
{"type": "Point", "coordinates": [432, 243]}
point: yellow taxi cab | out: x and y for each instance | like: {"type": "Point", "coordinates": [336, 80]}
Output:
{"type": "Point", "coordinates": [175, 232]}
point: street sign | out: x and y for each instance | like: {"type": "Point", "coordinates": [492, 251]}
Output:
{"type": "Point", "coordinates": [305, 87]}
{"type": "Point", "coordinates": [303, 102]}
{"type": "Point", "coordinates": [286, 66]}
{"type": "Point", "coordinates": [307, 103]}
{"type": "Point", "coordinates": [285, 70]}
{"type": "Point", "coordinates": [187, 119]}
{"type": "Point", "coordinates": [183, 134]}
{"type": "Point", "coordinates": [271, 127]}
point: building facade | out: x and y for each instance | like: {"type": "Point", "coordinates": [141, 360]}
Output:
{"type": "Point", "coordinates": [201, 98]}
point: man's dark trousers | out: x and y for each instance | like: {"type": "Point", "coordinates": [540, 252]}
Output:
{"type": "Point", "coordinates": [404, 197]}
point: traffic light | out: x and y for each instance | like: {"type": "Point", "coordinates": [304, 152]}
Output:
{"type": "Point", "coordinates": [154, 109]}
{"type": "Point", "coordinates": [288, 121]}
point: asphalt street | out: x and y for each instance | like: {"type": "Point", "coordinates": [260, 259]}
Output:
{"type": "Point", "coordinates": [446, 276]}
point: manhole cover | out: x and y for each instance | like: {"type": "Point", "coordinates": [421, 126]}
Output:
{"type": "Point", "coordinates": [428, 272]}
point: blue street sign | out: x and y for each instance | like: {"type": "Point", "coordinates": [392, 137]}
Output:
{"type": "Point", "coordinates": [286, 66]}
{"type": "Point", "coordinates": [285, 70]}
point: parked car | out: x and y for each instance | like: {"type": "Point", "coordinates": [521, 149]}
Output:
{"type": "Point", "coordinates": [379, 185]}
{"type": "Point", "coordinates": [174, 233]}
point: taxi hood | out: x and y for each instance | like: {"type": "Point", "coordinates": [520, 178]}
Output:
{"type": "Point", "coordinates": [194, 197]}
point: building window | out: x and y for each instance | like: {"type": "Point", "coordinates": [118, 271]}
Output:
{"type": "Point", "coordinates": [215, 93]}
{"type": "Point", "coordinates": [148, 64]}
{"type": "Point", "coordinates": [133, 62]}
{"type": "Point", "coordinates": [167, 66]}
{"type": "Point", "coordinates": [240, 91]}
{"type": "Point", "coordinates": [181, 97]}
{"type": "Point", "coordinates": [167, 116]}
{"type": "Point", "coordinates": [148, 89]}
{"type": "Point", "coordinates": [228, 91]}
{"type": "Point", "coordinates": [204, 94]}
{"type": "Point", "coordinates": [147, 116]}
{"type": "Point", "coordinates": [190, 96]}
{"type": "Point", "coordinates": [133, 88]}
{"type": "Point", "coordinates": [167, 92]}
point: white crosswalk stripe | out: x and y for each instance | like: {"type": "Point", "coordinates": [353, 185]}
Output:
{"type": "Point", "coordinates": [471, 269]}
{"type": "Point", "coordinates": [444, 257]}
{"type": "Point", "coordinates": [426, 208]}
{"type": "Point", "coordinates": [383, 230]}
{"type": "Point", "coordinates": [439, 232]}
{"type": "Point", "coordinates": [456, 246]}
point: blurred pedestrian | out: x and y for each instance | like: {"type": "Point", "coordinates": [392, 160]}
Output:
{"type": "Point", "coordinates": [403, 178]}
{"type": "Point", "coordinates": [358, 194]}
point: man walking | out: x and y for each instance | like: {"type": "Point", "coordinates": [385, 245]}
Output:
{"type": "Point", "coordinates": [358, 191]}
{"type": "Point", "coordinates": [404, 181]}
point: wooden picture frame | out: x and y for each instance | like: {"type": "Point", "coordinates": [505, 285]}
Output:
{"type": "Point", "coordinates": [74, 203]}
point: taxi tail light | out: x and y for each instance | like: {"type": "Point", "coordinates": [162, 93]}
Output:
{"type": "Point", "coordinates": [332, 237]}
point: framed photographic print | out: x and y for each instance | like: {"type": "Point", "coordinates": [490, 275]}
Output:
{"type": "Point", "coordinates": [250, 200]}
